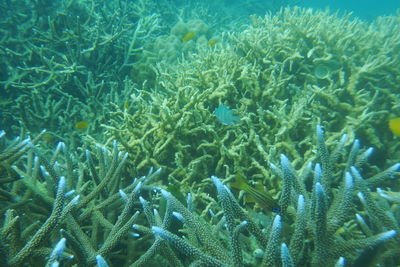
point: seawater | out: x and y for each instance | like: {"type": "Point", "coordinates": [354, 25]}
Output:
{"type": "Point", "coordinates": [367, 9]}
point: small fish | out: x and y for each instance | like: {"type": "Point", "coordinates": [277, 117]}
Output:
{"type": "Point", "coordinates": [48, 138]}
{"type": "Point", "coordinates": [257, 195]}
{"type": "Point", "coordinates": [211, 42]}
{"type": "Point", "coordinates": [81, 125]}
{"type": "Point", "coordinates": [394, 125]}
{"type": "Point", "coordinates": [225, 115]}
{"type": "Point", "coordinates": [188, 36]}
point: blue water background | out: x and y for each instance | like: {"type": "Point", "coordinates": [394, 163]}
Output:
{"type": "Point", "coordinates": [367, 9]}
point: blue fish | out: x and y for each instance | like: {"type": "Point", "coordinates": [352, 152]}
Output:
{"type": "Point", "coordinates": [225, 115]}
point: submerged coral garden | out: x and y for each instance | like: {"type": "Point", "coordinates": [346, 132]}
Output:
{"type": "Point", "coordinates": [153, 117]}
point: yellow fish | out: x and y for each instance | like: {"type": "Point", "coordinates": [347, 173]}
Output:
{"type": "Point", "coordinates": [259, 196]}
{"type": "Point", "coordinates": [48, 138]}
{"type": "Point", "coordinates": [81, 125]}
{"type": "Point", "coordinates": [211, 42]}
{"type": "Point", "coordinates": [188, 36]}
{"type": "Point", "coordinates": [394, 125]}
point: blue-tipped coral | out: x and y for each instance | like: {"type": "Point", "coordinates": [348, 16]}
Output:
{"type": "Point", "coordinates": [63, 190]}
{"type": "Point", "coordinates": [329, 214]}
{"type": "Point", "coordinates": [318, 206]}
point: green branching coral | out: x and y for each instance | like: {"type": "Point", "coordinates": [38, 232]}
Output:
{"type": "Point", "coordinates": [11, 153]}
{"type": "Point", "coordinates": [77, 198]}
{"type": "Point", "coordinates": [76, 203]}
{"type": "Point", "coordinates": [316, 206]}
{"type": "Point", "coordinates": [67, 63]}
{"type": "Point", "coordinates": [269, 75]}
{"type": "Point", "coordinates": [82, 208]}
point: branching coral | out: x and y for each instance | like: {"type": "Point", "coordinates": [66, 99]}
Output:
{"type": "Point", "coordinates": [87, 202]}
{"type": "Point", "coordinates": [299, 44]}
{"type": "Point", "coordinates": [319, 223]}
{"type": "Point", "coordinates": [266, 75]}
{"type": "Point", "coordinates": [69, 61]}
{"type": "Point", "coordinates": [281, 75]}
{"type": "Point", "coordinates": [11, 153]}
{"type": "Point", "coordinates": [315, 206]}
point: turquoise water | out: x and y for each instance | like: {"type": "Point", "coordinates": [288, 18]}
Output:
{"type": "Point", "coordinates": [364, 9]}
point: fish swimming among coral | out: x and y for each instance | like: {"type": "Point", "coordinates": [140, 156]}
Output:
{"type": "Point", "coordinates": [256, 195]}
{"type": "Point", "coordinates": [225, 115]}
{"type": "Point", "coordinates": [188, 36]}
{"type": "Point", "coordinates": [81, 125]}
{"type": "Point", "coordinates": [394, 125]}
{"type": "Point", "coordinates": [211, 42]}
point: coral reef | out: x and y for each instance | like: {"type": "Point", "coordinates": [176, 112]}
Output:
{"type": "Point", "coordinates": [176, 94]}
{"type": "Point", "coordinates": [316, 202]}
{"type": "Point", "coordinates": [280, 77]}
{"type": "Point", "coordinates": [65, 64]}
{"type": "Point", "coordinates": [82, 210]}
{"type": "Point", "coordinates": [70, 57]}
{"type": "Point", "coordinates": [59, 195]}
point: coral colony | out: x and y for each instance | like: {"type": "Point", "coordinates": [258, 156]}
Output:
{"type": "Point", "coordinates": [167, 133]}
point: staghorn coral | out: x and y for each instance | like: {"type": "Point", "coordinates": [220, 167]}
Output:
{"type": "Point", "coordinates": [280, 75]}
{"type": "Point", "coordinates": [75, 52]}
{"type": "Point", "coordinates": [316, 205]}
{"type": "Point", "coordinates": [321, 221]}
{"type": "Point", "coordinates": [11, 153]}
{"type": "Point", "coordinates": [61, 194]}
{"type": "Point", "coordinates": [270, 76]}
{"type": "Point", "coordinates": [298, 45]}
{"type": "Point", "coordinates": [58, 111]}
{"type": "Point", "coordinates": [69, 61]}
{"type": "Point", "coordinates": [73, 59]}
